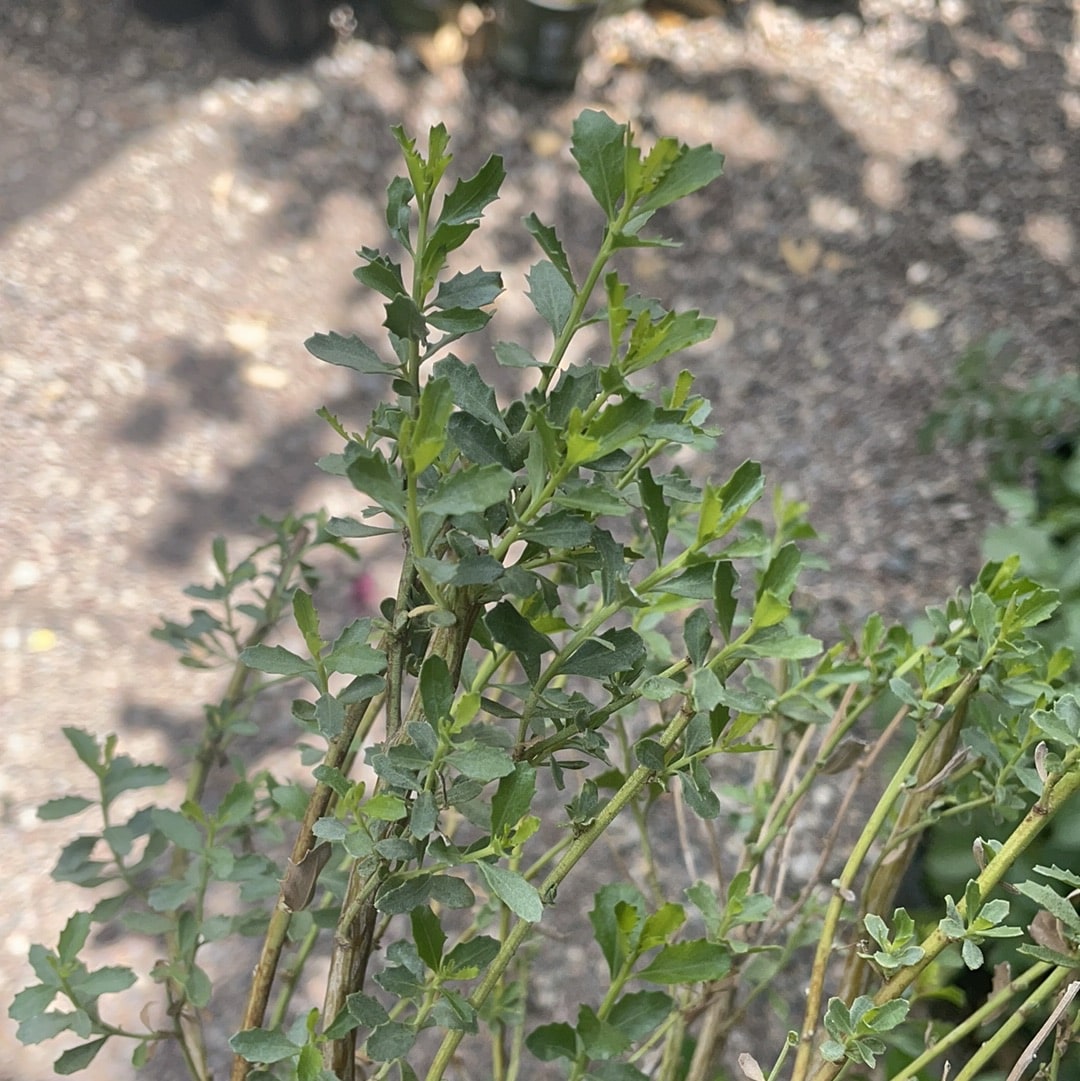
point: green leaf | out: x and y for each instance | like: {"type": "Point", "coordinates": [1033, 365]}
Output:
{"type": "Point", "coordinates": [512, 355]}
{"type": "Point", "coordinates": [514, 891]}
{"type": "Point", "coordinates": [614, 651]}
{"type": "Point", "coordinates": [508, 627]}
{"type": "Point", "coordinates": [468, 959]}
{"type": "Point", "coordinates": [400, 897]}
{"type": "Point", "coordinates": [550, 295]}
{"type": "Point", "coordinates": [656, 510]}
{"type": "Point", "coordinates": [650, 754]}
{"type": "Point", "coordinates": [697, 636]}
{"type": "Point", "coordinates": [263, 1045]}
{"type": "Point", "coordinates": [436, 689]}
{"type": "Point", "coordinates": [428, 936]}
{"type": "Point", "coordinates": [424, 440]}
{"type": "Point", "coordinates": [348, 352]}
{"type": "Point", "coordinates": [612, 938]}
{"type": "Point", "coordinates": [278, 661]}
{"type": "Point", "coordinates": [661, 925]}
{"type": "Point", "coordinates": [552, 247]}
{"type": "Point", "coordinates": [390, 1041]}
{"type": "Point", "coordinates": [452, 892]}
{"type": "Point", "coordinates": [481, 762]}
{"type": "Point", "coordinates": [32, 1002]}
{"type": "Point", "coordinates": [367, 1010]}
{"type": "Point", "coordinates": [1062, 724]}
{"type": "Point", "coordinates": [477, 441]}
{"type": "Point", "coordinates": [1049, 899]}
{"type": "Point", "coordinates": [63, 807]}
{"type": "Point", "coordinates": [370, 473]}
{"type": "Point", "coordinates": [616, 427]}
{"type": "Point", "coordinates": [468, 198]}
{"type": "Point", "coordinates": [476, 289]}
{"type": "Point", "coordinates": [783, 570]}
{"type": "Point", "coordinates": [777, 642]}
{"type": "Point", "coordinates": [697, 790]}
{"type": "Point", "coordinates": [169, 896]}
{"type": "Point", "coordinates": [405, 320]}
{"type": "Point", "coordinates": [73, 937]}
{"type": "Point", "coordinates": [688, 962]}
{"type": "Point", "coordinates": [380, 273]}
{"type": "Point", "coordinates": [562, 529]}
{"type": "Point", "coordinates": [470, 393]}
{"type": "Point", "coordinates": [44, 1026]}
{"type": "Point", "coordinates": [351, 655]}
{"type": "Point", "coordinates": [124, 775]}
{"type": "Point", "coordinates": [725, 582]}
{"type": "Point", "coordinates": [85, 746]}
{"type": "Point", "coordinates": [237, 806]}
{"type": "Point", "coordinates": [399, 194]}
{"type": "Point", "coordinates": [554, 1041]}
{"type": "Point", "coordinates": [307, 620]}
{"type": "Point", "coordinates": [104, 981]}
{"type": "Point", "coordinates": [599, 1039]}
{"type": "Point", "coordinates": [692, 170]}
{"type": "Point", "coordinates": [887, 1016]}
{"type": "Point", "coordinates": [598, 144]}
{"type": "Point", "coordinates": [640, 1013]}
{"type": "Point", "coordinates": [512, 798]}
{"type": "Point", "coordinates": [78, 1058]}
{"type": "Point", "coordinates": [651, 342]}
{"type": "Point", "coordinates": [350, 527]}
{"type": "Point", "coordinates": [468, 491]}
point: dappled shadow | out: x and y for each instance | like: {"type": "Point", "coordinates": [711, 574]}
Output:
{"type": "Point", "coordinates": [82, 81]}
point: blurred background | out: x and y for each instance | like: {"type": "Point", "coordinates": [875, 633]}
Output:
{"type": "Point", "coordinates": [180, 210]}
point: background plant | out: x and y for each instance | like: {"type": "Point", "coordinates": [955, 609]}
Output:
{"type": "Point", "coordinates": [584, 630]}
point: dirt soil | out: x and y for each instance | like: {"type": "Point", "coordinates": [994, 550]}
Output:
{"type": "Point", "coordinates": [176, 217]}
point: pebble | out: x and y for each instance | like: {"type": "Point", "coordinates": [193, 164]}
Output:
{"type": "Point", "coordinates": [25, 574]}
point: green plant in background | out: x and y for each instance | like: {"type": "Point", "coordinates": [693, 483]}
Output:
{"type": "Point", "coordinates": [584, 632]}
{"type": "Point", "coordinates": [1030, 430]}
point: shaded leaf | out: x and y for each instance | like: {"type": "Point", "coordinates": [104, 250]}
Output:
{"type": "Point", "coordinates": [514, 891]}
{"type": "Point", "coordinates": [78, 1058]}
{"type": "Point", "coordinates": [598, 144]}
{"type": "Point", "coordinates": [688, 962]}
{"type": "Point", "coordinates": [614, 651]}
{"type": "Point", "coordinates": [263, 1045]}
{"type": "Point", "coordinates": [468, 198]}
{"type": "Point", "coordinates": [550, 296]}
{"type": "Point", "coordinates": [348, 352]}
{"type": "Point", "coordinates": [508, 627]}
{"type": "Point", "coordinates": [552, 247]}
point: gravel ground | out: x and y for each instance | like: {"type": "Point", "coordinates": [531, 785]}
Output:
{"type": "Point", "coordinates": [176, 217]}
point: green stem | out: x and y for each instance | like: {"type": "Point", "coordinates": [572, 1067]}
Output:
{"type": "Point", "coordinates": [1058, 792]}
{"type": "Point", "coordinates": [873, 828]}
{"type": "Point", "coordinates": [1013, 1024]}
{"type": "Point", "coordinates": [549, 887]}
{"type": "Point", "coordinates": [973, 1021]}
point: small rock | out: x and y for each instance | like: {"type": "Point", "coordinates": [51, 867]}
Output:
{"type": "Point", "coordinates": [1052, 236]}
{"type": "Point", "coordinates": [975, 227]}
{"type": "Point", "coordinates": [25, 574]}
{"type": "Point", "coordinates": [246, 333]}
{"type": "Point", "coordinates": [41, 640]}
{"type": "Point", "coordinates": [264, 377]}
{"type": "Point", "coordinates": [921, 315]}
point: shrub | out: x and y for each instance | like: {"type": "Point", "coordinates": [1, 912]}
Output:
{"type": "Point", "coordinates": [584, 632]}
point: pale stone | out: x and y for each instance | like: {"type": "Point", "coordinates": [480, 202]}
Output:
{"type": "Point", "coordinates": [975, 227]}
{"type": "Point", "coordinates": [25, 574]}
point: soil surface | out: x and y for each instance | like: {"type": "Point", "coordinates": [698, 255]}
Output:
{"type": "Point", "coordinates": [176, 217]}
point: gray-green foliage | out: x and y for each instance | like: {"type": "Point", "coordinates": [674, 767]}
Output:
{"type": "Point", "coordinates": [580, 623]}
